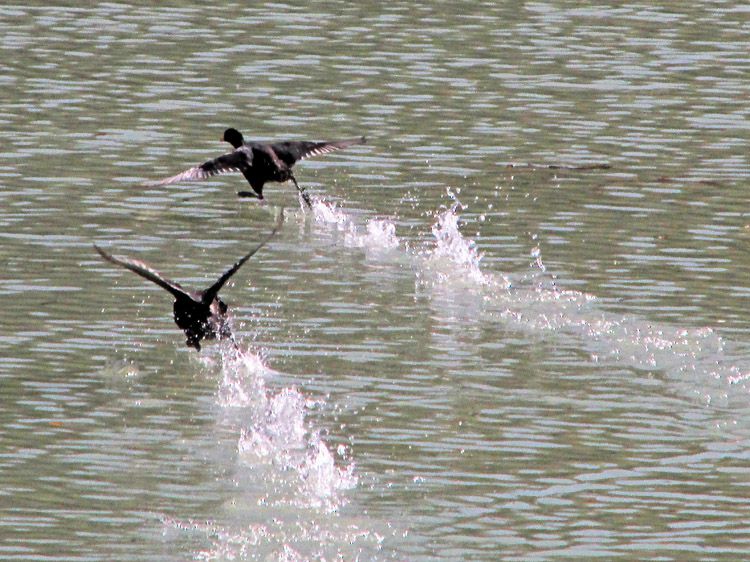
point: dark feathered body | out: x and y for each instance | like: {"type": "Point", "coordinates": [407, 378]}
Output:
{"type": "Point", "coordinates": [202, 321]}
{"type": "Point", "coordinates": [260, 163]}
{"type": "Point", "coordinates": [202, 315]}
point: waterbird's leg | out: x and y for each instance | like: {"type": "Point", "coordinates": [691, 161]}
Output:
{"type": "Point", "coordinates": [303, 194]}
{"type": "Point", "coordinates": [234, 342]}
{"type": "Point", "coordinates": [234, 351]}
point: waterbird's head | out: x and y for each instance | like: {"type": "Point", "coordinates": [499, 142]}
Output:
{"type": "Point", "coordinates": [233, 137]}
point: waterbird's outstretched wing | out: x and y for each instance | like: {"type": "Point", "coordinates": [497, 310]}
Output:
{"type": "Point", "coordinates": [147, 272]}
{"type": "Point", "coordinates": [234, 162]}
{"type": "Point", "coordinates": [210, 293]}
{"type": "Point", "coordinates": [292, 151]}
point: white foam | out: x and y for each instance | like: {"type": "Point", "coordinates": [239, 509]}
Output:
{"type": "Point", "coordinates": [321, 478]}
{"type": "Point", "coordinates": [533, 303]}
{"type": "Point", "coordinates": [329, 213]}
{"type": "Point", "coordinates": [242, 379]}
{"type": "Point", "coordinates": [309, 538]}
{"type": "Point", "coordinates": [381, 233]}
{"type": "Point", "coordinates": [451, 245]}
{"type": "Point", "coordinates": [378, 234]}
{"type": "Point", "coordinates": [276, 433]}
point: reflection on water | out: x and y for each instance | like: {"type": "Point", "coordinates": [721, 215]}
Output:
{"type": "Point", "coordinates": [556, 366]}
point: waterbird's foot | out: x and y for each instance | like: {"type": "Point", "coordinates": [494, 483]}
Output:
{"type": "Point", "coordinates": [303, 194]}
{"type": "Point", "coordinates": [306, 199]}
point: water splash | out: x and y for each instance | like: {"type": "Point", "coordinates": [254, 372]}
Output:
{"type": "Point", "coordinates": [278, 431]}
{"type": "Point", "coordinates": [321, 478]}
{"type": "Point", "coordinates": [693, 357]}
{"type": "Point", "coordinates": [536, 254]}
{"type": "Point", "coordinates": [275, 431]}
{"type": "Point", "coordinates": [451, 245]}
{"type": "Point", "coordinates": [242, 378]}
{"type": "Point", "coordinates": [698, 359]}
{"type": "Point", "coordinates": [378, 234]}
{"type": "Point", "coordinates": [276, 539]}
{"type": "Point", "coordinates": [280, 461]}
{"type": "Point", "coordinates": [329, 213]}
{"type": "Point", "coordinates": [381, 233]}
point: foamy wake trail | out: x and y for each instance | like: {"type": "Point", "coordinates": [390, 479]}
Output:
{"type": "Point", "coordinates": [284, 465]}
{"type": "Point", "coordinates": [455, 259]}
{"type": "Point", "coordinates": [276, 433]}
{"type": "Point", "coordinates": [378, 234]}
{"type": "Point", "coordinates": [281, 437]}
{"type": "Point", "coordinates": [287, 485]}
{"type": "Point", "coordinates": [451, 245]}
{"type": "Point", "coordinates": [693, 355]}
{"type": "Point", "coordinates": [452, 263]}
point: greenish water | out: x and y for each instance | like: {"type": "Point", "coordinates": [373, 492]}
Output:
{"type": "Point", "coordinates": [449, 357]}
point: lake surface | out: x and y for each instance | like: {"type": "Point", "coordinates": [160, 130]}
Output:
{"type": "Point", "coordinates": [479, 344]}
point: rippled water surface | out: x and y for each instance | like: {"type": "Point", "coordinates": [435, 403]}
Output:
{"type": "Point", "coordinates": [513, 325]}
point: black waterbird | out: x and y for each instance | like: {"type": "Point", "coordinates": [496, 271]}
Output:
{"type": "Point", "coordinates": [202, 315]}
{"type": "Point", "coordinates": [260, 162]}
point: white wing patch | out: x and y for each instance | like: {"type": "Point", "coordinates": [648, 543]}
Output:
{"type": "Point", "coordinates": [197, 173]}
{"type": "Point", "coordinates": [231, 163]}
{"type": "Point", "coordinates": [325, 148]}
